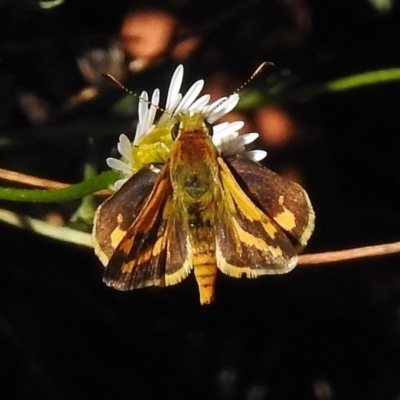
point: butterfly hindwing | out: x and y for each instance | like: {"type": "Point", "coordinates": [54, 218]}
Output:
{"type": "Point", "coordinates": [179, 253]}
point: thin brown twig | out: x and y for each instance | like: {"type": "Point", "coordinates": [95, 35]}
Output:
{"type": "Point", "coordinates": [308, 260]}
{"type": "Point", "coordinates": [30, 180]}
{"type": "Point", "coordinates": [35, 181]}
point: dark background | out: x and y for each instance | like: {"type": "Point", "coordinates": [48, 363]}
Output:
{"type": "Point", "coordinates": [324, 332]}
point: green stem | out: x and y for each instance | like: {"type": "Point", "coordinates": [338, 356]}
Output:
{"type": "Point", "coordinates": [72, 192]}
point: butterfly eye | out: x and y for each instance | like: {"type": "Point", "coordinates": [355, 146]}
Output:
{"type": "Point", "coordinates": [175, 131]}
{"type": "Point", "coordinates": [209, 128]}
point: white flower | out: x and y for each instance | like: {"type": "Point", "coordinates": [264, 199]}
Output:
{"type": "Point", "coordinates": [153, 140]}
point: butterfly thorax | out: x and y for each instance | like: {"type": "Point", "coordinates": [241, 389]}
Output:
{"type": "Point", "coordinates": [194, 168]}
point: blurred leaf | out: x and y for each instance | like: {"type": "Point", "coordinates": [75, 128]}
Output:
{"type": "Point", "coordinates": [363, 79]}
{"type": "Point", "coordinates": [48, 4]}
{"type": "Point", "coordinates": [44, 228]}
{"type": "Point", "coordinates": [382, 6]}
{"type": "Point", "coordinates": [126, 106]}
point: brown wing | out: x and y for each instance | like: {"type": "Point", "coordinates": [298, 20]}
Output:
{"type": "Point", "coordinates": [179, 252]}
{"type": "Point", "coordinates": [139, 257]}
{"type": "Point", "coordinates": [282, 200]}
{"type": "Point", "coordinates": [115, 216]}
{"type": "Point", "coordinates": [249, 243]}
{"type": "Point", "coordinates": [151, 252]}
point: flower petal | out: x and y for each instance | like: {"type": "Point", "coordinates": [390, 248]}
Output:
{"type": "Point", "coordinates": [227, 130]}
{"type": "Point", "coordinates": [118, 165]}
{"type": "Point", "coordinates": [124, 147]}
{"type": "Point", "coordinates": [224, 108]}
{"type": "Point", "coordinates": [174, 87]}
{"type": "Point", "coordinates": [168, 114]}
{"type": "Point", "coordinates": [118, 184]}
{"type": "Point", "coordinates": [190, 96]}
{"type": "Point", "coordinates": [209, 109]}
{"type": "Point", "coordinates": [247, 138]}
{"type": "Point", "coordinates": [256, 155]}
{"type": "Point", "coordinates": [143, 106]}
{"type": "Point", "coordinates": [200, 103]}
{"type": "Point", "coordinates": [151, 113]}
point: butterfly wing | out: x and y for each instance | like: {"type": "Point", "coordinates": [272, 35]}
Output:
{"type": "Point", "coordinates": [179, 252]}
{"type": "Point", "coordinates": [116, 215]}
{"type": "Point", "coordinates": [151, 252]}
{"type": "Point", "coordinates": [249, 242]}
{"type": "Point", "coordinates": [283, 201]}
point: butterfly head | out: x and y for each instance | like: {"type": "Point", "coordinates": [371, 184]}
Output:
{"type": "Point", "coordinates": [191, 124]}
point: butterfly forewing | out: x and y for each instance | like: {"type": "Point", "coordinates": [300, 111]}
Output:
{"type": "Point", "coordinates": [152, 250]}
{"type": "Point", "coordinates": [283, 201]}
{"type": "Point", "coordinates": [116, 215]}
{"type": "Point", "coordinates": [139, 258]}
{"type": "Point", "coordinates": [249, 243]}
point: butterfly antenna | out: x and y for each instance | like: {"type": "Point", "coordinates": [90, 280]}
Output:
{"type": "Point", "coordinates": [257, 72]}
{"type": "Point", "coordinates": [125, 89]}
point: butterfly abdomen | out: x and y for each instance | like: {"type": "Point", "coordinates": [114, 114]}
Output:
{"type": "Point", "coordinates": [202, 244]}
{"type": "Point", "coordinates": [205, 271]}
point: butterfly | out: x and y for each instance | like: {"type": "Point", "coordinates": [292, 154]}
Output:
{"type": "Point", "coordinates": [201, 212]}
